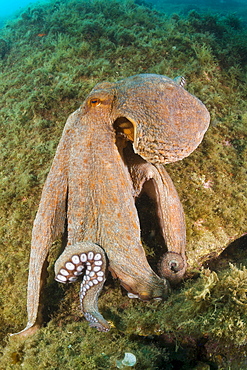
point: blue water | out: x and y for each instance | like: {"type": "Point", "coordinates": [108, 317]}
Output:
{"type": "Point", "coordinates": [9, 7]}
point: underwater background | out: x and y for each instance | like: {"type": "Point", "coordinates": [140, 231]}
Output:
{"type": "Point", "coordinates": [51, 55]}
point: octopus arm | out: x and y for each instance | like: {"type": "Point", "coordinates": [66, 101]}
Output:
{"type": "Point", "coordinates": [48, 224]}
{"type": "Point", "coordinates": [172, 221]}
{"type": "Point", "coordinates": [157, 184]}
{"type": "Point", "coordinates": [85, 260]}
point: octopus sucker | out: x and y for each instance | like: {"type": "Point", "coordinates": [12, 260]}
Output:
{"type": "Point", "coordinates": [112, 148]}
{"type": "Point", "coordinates": [172, 266]}
{"type": "Point", "coordinates": [157, 184]}
{"type": "Point", "coordinates": [86, 260]}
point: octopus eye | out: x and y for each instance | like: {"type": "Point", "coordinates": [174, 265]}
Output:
{"type": "Point", "coordinates": [95, 102]}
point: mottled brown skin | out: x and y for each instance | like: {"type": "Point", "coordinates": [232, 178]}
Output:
{"type": "Point", "coordinates": [169, 123]}
{"type": "Point", "coordinates": [101, 165]}
{"type": "Point", "coordinates": [157, 184]}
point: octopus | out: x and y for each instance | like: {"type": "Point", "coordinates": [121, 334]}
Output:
{"type": "Point", "coordinates": [113, 149]}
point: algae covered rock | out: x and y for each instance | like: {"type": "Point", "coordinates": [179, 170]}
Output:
{"type": "Point", "coordinates": [3, 48]}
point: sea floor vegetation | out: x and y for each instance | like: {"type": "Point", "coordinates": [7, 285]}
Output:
{"type": "Point", "coordinates": [50, 58]}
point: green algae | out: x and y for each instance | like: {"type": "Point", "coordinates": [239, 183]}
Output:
{"type": "Point", "coordinates": [201, 308]}
{"type": "Point", "coordinates": [53, 55]}
{"type": "Point", "coordinates": [76, 347]}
